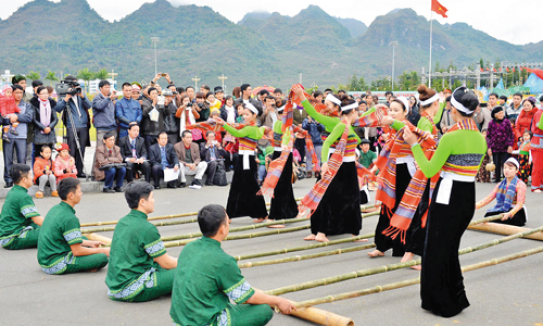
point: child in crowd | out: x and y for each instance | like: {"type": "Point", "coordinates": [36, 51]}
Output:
{"type": "Point", "coordinates": [524, 156]}
{"type": "Point", "coordinates": [261, 161]}
{"type": "Point", "coordinates": [510, 195]}
{"type": "Point", "coordinates": [8, 107]}
{"type": "Point", "coordinates": [64, 165]}
{"type": "Point", "coordinates": [43, 172]}
{"type": "Point", "coordinates": [500, 140]}
{"type": "Point", "coordinates": [483, 176]}
{"type": "Point", "coordinates": [315, 130]}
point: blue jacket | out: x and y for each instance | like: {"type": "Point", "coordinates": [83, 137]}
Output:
{"type": "Point", "coordinates": [315, 130]}
{"type": "Point", "coordinates": [81, 118]}
{"type": "Point", "coordinates": [103, 112]}
{"type": "Point", "coordinates": [127, 110]}
{"type": "Point", "coordinates": [25, 117]}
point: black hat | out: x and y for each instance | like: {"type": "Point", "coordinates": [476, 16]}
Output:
{"type": "Point", "coordinates": [364, 141]}
{"type": "Point", "coordinates": [218, 89]}
{"type": "Point", "coordinates": [495, 110]}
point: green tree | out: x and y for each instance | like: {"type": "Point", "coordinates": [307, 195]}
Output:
{"type": "Point", "coordinates": [482, 63]}
{"type": "Point", "coordinates": [33, 75]}
{"type": "Point", "coordinates": [101, 74]}
{"type": "Point", "coordinates": [51, 76]}
{"type": "Point", "coordinates": [86, 75]}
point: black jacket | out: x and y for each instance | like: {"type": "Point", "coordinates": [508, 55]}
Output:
{"type": "Point", "coordinates": [224, 113]}
{"type": "Point", "coordinates": [126, 148]}
{"type": "Point", "coordinates": [254, 102]}
{"type": "Point", "coordinates": [148, 127]}
{"type": "Point", "coordinates": [171, 123]}
{"type": "Point", "coordinates": [156, 158]}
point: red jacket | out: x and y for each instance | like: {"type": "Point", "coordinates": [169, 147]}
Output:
{"type": "Point", "coordinates": [523, 123]}
{"type": "Point", "coordinates": [40, 166]}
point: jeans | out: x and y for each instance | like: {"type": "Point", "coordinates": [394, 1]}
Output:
{"type": "Point", "coordinates": [309, 160]}
{"type": "Point", "coordinates": [262, 172]}
{"type": "Point", "coordinates": [18, 145]}
{"type": "Point", "coordinates": [114, 173]}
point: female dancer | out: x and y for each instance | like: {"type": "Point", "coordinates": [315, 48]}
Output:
{"type": "Point", "coordinates": [458, 155]}
{"type": "Point", "coordinates": [242, 198]}
{"type": "Point", "coordinates": [336, 194]}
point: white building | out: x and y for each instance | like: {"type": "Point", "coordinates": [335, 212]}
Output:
{"type": "Point", "coordinates": [93, 85]}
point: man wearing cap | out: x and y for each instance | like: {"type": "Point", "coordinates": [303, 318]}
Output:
{"type": "Point", "coordinates": [136, 93]}
{"type": "Point", "coordinates": [171, 122]}
{"type": "Point", "coordinates": [127, 110]}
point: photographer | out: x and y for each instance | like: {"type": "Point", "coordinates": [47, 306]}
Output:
{"type": "Point", "coordinates": [213, 154]}
{"type": "Point", "coordinates": [79, 122]}
{"type": "Point", "coordinates": [152, 121]}
{"type": "Point", "coordinates": [186, 113]}
{"type": "Point", "coordinates": [171, 122]}
{"type": "Point", "coordinates": [161, 75]}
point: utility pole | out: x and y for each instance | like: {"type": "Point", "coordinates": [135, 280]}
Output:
{"type": "Point", "coordinates": [155, 39]}
{"type": "Point", "coordinates": [196, 80]}
{"type": "Point", "coordinates": [301, 79]}
{"type": "Point", "coordinates": [112, 74]}
{"type": "Point", "coordinates": [222, 78]}
{"type": "Point", "coordinates": [393, 44]}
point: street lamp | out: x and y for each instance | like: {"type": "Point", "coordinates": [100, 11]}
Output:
{"type": "Point", "coordinates": [222, 78]}
{"type": "Point", "coordinates": [393, 44]}
{"type": "Point", "coordinates": [155, 39]}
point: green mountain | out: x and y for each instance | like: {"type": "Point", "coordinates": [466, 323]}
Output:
{"type": "Point", "coordinates": [262, 48]}
{"type": "Point", "coordinates": [355, 27]}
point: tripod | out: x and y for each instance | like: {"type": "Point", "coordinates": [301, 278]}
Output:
{"type": "Point", "coordinates": [68, 113]}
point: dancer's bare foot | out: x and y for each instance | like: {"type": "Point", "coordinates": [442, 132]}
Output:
{"type": "Point", "coordinates": [276, 226]}
{"type": "Point", "coordinates": [310, 237]}
{"type": "Point", "coordinates": [417, 267]}
{"type": "Point", "coordinates": [376, 253]}
{"type": "Point", "coordinates": [302, 215]}
{"type": "Point", "coordinates": [359, 240]}
{"type": "Point", "coordinates": [321, 237]}
{"type": "Point", "coordinates": [538, 190]}
{"type": "Point", "coordinates": [260, 220]}
{"type": "Point", "coordinates": [370, 210]}
{"type": "Point", "coordinates": [407, 257]}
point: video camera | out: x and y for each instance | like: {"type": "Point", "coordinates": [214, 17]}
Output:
{"type": "Point", "coordinates": [68, 86]}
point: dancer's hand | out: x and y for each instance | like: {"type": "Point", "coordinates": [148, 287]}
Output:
{"type": "Point", "coordinates": [324, 168]}
{"type": "Point", "coordinates": [387, 121]}
{"type": "Point", "coordinates": [409, 136]}
{"type": "Point", "coordinates": [219, 121]}
{"type": "Point", "coordinates": [299, 92]}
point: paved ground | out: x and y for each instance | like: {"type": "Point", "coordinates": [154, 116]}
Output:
{"type": "Point", "coordinates": [507, 294]}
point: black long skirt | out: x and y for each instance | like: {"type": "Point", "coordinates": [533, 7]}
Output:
{"type": "Point", "coordinates": [519, 219]}
{"type": "Point", "coordinates": [339, 209]}
{"type": "Point", "coordinates": [383, 242]}
{"type": "Point", "coordinates": [242, 198]}
{"type": "Point", "coordinates": [283, 203]}
{"type": "Point", "coordinates": [442, 288]}
{"type": "Point", "coordinates": [416, 234]}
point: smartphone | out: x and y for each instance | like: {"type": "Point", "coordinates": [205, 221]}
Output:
{"type": "Point", "coordinates": [163, 75]}
{"type": "Point", "coordinates": [160, 100]}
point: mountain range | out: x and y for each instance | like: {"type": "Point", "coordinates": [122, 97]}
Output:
{"type": "Point", "coordinates": [263, 48]}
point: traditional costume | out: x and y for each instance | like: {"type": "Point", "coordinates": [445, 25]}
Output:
{"type": "Point", "coordinates": [133, 275]}
{"type": "Point", "coordinates": [17, 231]}
{"type": "Point", "coordinates": [536, 146]}
{"type": "Point", "coordinates": [458, 155]}
{"type": "Point", "coordinates": [510, 199]}
{"type": "Point", "coordinates": [59, 231]}
{"type": "Point", "coordinates": [525, 161]}
{"type": "Point", "coordinates": [205, 283]}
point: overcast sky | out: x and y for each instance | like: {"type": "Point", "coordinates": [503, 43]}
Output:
{"type": "Point", "coordinates": [517, 22]}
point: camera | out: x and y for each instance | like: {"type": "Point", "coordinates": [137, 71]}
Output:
{"type": "Point", "coordinates": [189, 104]}
{"type": "Point", "coordinates": [68, 86]}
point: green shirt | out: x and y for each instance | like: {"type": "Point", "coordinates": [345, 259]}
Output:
{"type": "Point", "coordinates": [17, 213]}
{"type": "Point", "coordinates": [135, 244]}
{"type": "Point", "coordinates": [204, 283]}
{"type": "Point", "coordinates": [59, 231]}
{"type": "Point", "coordinates": [367, 158]}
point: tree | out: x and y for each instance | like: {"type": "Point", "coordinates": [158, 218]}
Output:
{"type": "Point", "coordinates": [101, 74]}
{"type": "Point", "coordinates": [33, 75]}
{"type": "Point", "coordinates": [51, 76]}
{"type": "Point", "coordinates": [86, 75]}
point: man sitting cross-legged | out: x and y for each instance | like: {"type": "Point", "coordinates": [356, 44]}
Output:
{"type": "Point", "coordinates": [20, 219]}
{"type": "Point", "coordinates": [139, 268]}
{"type": "Point", "coordinates": [209, 278]}
{"type": "Point", "coordinates": [61, 248]}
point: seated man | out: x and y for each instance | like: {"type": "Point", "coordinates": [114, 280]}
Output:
{"type": "Point", "coordinates": [189, 157]}
{"type": "Point", "coordinates": [214, 155]}
{"type": "Point", "coordinates": [19, 219]}
{"type": "Point", "coordinates": [140, 269]}
{"type": "Point", "coordinates": [134, 153]}
{"type": "Point", "coordinates": [162, 156]}
{"type": "Point", "coordinates": [108, 164]}
{"type": "Point", "coordinates": [209, 278]}
{"type": "Point", "coordinates": [62, 249]}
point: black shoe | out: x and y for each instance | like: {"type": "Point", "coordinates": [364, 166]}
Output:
{"type": "Point", "coordinates": [81, 176]}
{"type": "Point", "coordinates": [8, 185]}
{"type": "Point", "coordinates": [13, 132]}
{"type": "Point", "coordinates": [183, 185]}
{"type": "Point", "coordinates": [118, 189]}
{"type": "Point", "coordinates": [108, 190]}
{"type": "Point", "coordinates": [157, 187]}
{"type": "Point", "coordinates": [207, 184]}
{"type": "Point", "coordinates": [6, 139]}
{"type": "Point", "coordinates": [171, 186]}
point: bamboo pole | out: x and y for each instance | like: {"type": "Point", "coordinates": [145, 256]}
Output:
{"type": "Point", "coordinates": [305, 257]}
{"type": "Point", "coordinates": [387, 268]}
{"type": "Point", "coordinates": [241, 236]}
{"type": "Point", "coordinates": [321, 317]}
{"type": "Point", "coordinates": [153, 218]}
{"type": "Point", "coordinates": [97, 237]}
{"type": "Point", "coordinates": [401, 284]}
{"type": "Point", "coordinates": [301, 248]}
{"type": "Point", "coordinates": [505, 230]}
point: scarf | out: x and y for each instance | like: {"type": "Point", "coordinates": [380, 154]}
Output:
{"type": "Point", "coordinates": [230, 114]}
{"type": "Point", "coordinates": [210, 124]}
{"type": "Point", "coordinates": [505, 196]}
{"type": "Point", "coordinates": [186, 120]}
{"type": "Point", "coordinates": [45, 112]}
{"type": "Point", "coordinates": [426, 115]}
{"type": "Point", "coordinates": [313, 198]}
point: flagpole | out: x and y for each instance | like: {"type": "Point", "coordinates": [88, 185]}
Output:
{"type": "Point", "coordinates": [430, 65]}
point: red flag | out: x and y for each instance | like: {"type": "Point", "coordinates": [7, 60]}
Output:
{"type": "Point", "coordinates": [438, 8]}
{"type": "Point", "coordinates": [507, 69]}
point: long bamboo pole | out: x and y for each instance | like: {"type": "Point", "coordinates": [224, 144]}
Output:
{"type": "Point", "coordinates": [178, 243]}
{"type": "Point", "coordinates": [386, 268]}
{"type": "Point", "coordinates": [97, 237]}
{"type": "Point", "coordinates": [401, 284]}
{"type": "Point", "coordinates": [305, 257]}
{"type": "Point", "coordinates": [321, 317]}
{"type": "Point", "coordinates": [505, 230]}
